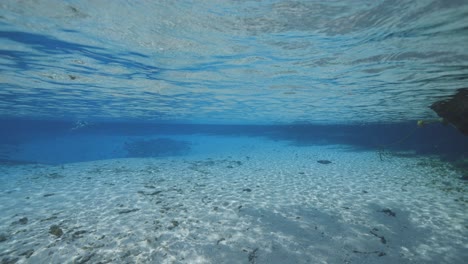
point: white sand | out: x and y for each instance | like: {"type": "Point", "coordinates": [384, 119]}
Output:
{"type": "Point", "coordinates": [237, 200]}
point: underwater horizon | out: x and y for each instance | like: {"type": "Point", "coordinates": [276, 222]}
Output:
{"type": "Point", "coordinates": [273, 131]}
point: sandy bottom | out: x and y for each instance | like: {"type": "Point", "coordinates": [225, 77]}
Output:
{"type": "Point", "coordinates": [236, 200]}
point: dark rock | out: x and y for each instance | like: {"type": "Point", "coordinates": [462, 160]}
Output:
{"type": "Point", "coordinates": [3, 237]}
{"type": "Point", "coordinates": [454, 110]}
{"type": "Point", "coordinates": [56, 231]}
{"type": "Point", "coordinates": [464, 177]}
{"type": "Point", "coordinates": [324, 161]}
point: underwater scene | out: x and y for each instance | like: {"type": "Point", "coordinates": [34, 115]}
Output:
{"type": "Point", "coordinates": [249, 131]}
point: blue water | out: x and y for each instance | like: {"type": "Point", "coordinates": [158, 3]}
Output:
{"type": "Point", "coordinates": [221, 105]}
{"type": "Point", "coordinates": [236, 62]}
{"type": "Point", "coordinates": [58, 142]}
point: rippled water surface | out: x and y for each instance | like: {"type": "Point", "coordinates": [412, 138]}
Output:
{"type": "Point", "coordinates": [231, 61]}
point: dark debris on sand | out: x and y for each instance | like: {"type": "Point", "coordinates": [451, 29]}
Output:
{"type": "Point", "coordinates": [253, 256]}
{"type": "Point", "coordinates": [388, 212]}
{"type": "Point", "coordinates": [378, 253]}
{"type": "Point", "coordinates": [21, 221]}
{"type": "Point", "coordinates": [27, 253]}
{"type": "Point", "coordinates": [79, 233]}
{"type": "Point", "coordinates": [382, 238]}
{"type": "Point", "coordinates": [126, 211]}
{"type": "Point", "coordinates": [84, 259]}
{"type": "Point", "coordinates": [324, 161]}
{"type": "Point", "coordinates": [174, 224]}
{"type": "Point", "coordinates": [56, 231]}
{"type": "Point", "coordinates": [8, 260]}
{"type": "Point", "coordinates": [203, 166]}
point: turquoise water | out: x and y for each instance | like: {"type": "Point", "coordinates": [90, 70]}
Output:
{"type": "Point", "coordinates": [231, 62]}
{"type": "Point", "coordinates": [232, 132]}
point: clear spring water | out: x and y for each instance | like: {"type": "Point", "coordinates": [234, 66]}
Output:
{"type": "Point", "coordinates": [216, 61]}
{"type": "Point", "coordinates": [231, 132]}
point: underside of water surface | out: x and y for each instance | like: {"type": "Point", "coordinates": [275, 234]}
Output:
{"type": "Point", "coordinates": [231, 62]}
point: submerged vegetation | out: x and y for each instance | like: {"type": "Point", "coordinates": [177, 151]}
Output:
{"type": "Point", "coordinates": [443, 174]}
